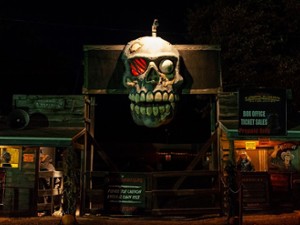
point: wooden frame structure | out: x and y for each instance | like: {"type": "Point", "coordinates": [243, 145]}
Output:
{"type": "Point", "coordinates": [103, 75]}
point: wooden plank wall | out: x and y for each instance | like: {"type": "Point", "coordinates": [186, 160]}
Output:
{"type": "Point", "coordinates": [18, 199]}
{"type": "Point", "coordinates": [228, 103]}
{"type": "Point", "coordinates": [228, 110]}
{"type": "Point", "coordinates": [19, 188]}
{"type": "Point", "coordinates": [52, 110]}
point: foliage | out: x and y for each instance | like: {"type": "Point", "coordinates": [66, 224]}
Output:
{"type": "Point", "coordinates": [259, 40]}
{"type": "Point", "coordinates": [232, 192]}
{"type": "Point", "coordinates": [71, 181]}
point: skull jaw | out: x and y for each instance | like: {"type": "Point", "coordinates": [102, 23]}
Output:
{"type": "Point", "coordinates": [152, 121]}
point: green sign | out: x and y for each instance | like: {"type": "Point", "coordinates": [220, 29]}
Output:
{"type": "Point", "coordinates": [262, 112]}
{"type": "Point", "coordinates": [125, 193]}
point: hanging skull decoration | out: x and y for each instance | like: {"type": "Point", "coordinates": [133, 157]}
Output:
{"type": "Point", "coordinates": [152, 78]}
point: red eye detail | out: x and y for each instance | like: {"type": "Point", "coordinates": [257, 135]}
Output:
{"type": "Point", "coordinates": [138, 66]}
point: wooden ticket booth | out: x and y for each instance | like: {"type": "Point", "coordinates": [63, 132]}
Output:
{"type": "Point", "coordinates": [38, 124]}
{"type": "Point", "coordinates": [274, 181]}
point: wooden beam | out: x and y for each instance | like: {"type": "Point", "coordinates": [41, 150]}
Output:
{"type": "Point", "coordinates": [196, 160]}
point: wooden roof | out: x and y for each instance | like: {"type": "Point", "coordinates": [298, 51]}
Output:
{"type": "Point", "coordinates": [46, 136]}
{"type": "Point", "coordinates": [50, 120]}
{"type": "Point", "coordinates": [231, 129]}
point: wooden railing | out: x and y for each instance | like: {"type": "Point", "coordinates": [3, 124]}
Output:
{"type": "Point", "coordinates": [50, 191]}
{"type": "Point", "coordinates": [198, 192]}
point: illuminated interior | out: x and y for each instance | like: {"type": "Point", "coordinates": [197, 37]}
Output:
{"type": "Point", "coordinates": [260, 152]}
{"type": "Point", "coordinates": [14, 152]}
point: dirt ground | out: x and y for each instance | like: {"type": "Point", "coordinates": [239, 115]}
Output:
{"type": "Point", "coordinates": [292, 218]}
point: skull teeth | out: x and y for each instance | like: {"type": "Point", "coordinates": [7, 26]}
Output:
{"type": "Point", "coordinates": [149, 97]}
{"type": "Point", "coordinates": [158, 97]}
{"type": "Point", "coordinates": [153, 97]}
{"type": "Point", "coordinates": [165, 96]}
{"type": "Point", "coordinates": [152, 110]}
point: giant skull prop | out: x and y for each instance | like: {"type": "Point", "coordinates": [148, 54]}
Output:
{"type": "Point", "coordinates": [152, 78]}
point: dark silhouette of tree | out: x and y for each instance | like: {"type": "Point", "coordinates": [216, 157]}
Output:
{"type": "Point", "coordinates": [259, 41]}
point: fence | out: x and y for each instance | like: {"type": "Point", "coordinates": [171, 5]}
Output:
{"type": "Point", "coordinates": [158, 193]}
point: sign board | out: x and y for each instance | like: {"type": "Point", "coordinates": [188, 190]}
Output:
{"type": "Point", "coordinates": [28, 157]}
{"type": "Point", "coordinates": [125, 193]}
{"type": "Point", "coordinates": [262, 112]}
{"type": "Point", "coordinates": [255, 190]}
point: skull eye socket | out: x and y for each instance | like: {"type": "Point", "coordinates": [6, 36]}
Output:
{"type": "Point", "coordinates": [138, 66]}
{"type": "Point", "coordinates": [166, 66]}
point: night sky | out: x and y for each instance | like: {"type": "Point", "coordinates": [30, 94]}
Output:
{"type": "Point", "coordinates": [41, 44]}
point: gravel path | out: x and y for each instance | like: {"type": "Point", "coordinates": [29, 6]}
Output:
{"type": "Point", "coordinates": [253, 219]}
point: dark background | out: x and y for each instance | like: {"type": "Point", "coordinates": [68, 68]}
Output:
{"type": "Point", "coordinates": [41, 49]}
{"type": "Point", "coordinates": [41, 44]}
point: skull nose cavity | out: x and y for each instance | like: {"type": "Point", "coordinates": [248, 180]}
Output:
{"type": "Point", "coordinates": [152, 76]}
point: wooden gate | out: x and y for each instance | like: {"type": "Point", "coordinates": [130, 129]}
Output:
{"type": "Point", "coordinates": [199, 192]}
{"type": "Point", "coordinates": [165, 193]}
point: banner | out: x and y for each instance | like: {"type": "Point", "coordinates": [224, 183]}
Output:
{"type": "Point", "coordinates": [262, 112]}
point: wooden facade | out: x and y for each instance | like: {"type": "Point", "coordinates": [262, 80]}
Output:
{"type": "Point", "coordinates": [129, 170]}
{"type": "Point", "coordinates": [151, 176]}
{"type": "Point", "coordinates": [59, 123]}
{"type": "Point", "coordinates": [53, 124]}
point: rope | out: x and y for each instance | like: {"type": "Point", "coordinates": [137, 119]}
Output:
{"type": "Point", "coordinates": [229, 188]}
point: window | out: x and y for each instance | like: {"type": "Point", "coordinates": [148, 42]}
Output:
{"type": "Point", "coordinates": [252, 160]}
{"type": "Point", "coordinates": [10, 156]}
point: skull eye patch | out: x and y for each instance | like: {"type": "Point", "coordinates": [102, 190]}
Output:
{"type": "Point", "coordinates": [138, 66]}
